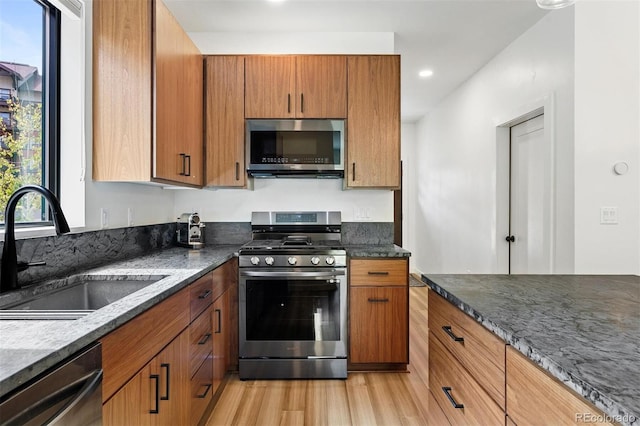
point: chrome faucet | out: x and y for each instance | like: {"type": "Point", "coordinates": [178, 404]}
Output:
{"type": "Point", "coordinates": [10, 264]}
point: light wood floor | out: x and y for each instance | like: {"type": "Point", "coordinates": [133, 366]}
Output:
{"type": "Point", "coordinates": [363, 399]}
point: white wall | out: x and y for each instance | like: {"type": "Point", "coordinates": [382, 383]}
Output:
{"type": "Point", "coordinates": [228, 205]}
{"type": "Point", "coordinates": [456, 156]}
{"type": "Point", "coordinates": [607, 117]}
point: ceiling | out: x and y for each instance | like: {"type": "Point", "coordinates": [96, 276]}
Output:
{"type": "Point", "coordinates": [454, 38]}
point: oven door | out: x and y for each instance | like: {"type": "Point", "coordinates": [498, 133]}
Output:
{"type": "Point", "coordinates": [287, 313]}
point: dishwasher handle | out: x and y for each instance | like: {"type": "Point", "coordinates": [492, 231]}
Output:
{"type": "Point", "coordinates": [93, 384]}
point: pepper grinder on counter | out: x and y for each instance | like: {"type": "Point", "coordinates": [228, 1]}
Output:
{"type": "Point", "coordinates": [190, 231]}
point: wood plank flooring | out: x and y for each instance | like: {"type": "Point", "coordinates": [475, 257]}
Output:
{"type": "Point", "coordinates": [366, 399]}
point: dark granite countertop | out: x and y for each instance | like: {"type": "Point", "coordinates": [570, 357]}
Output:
{"type": "Point", "coordinates": [584, 330]}
{"type": "Point", "coordinates": [30, 347]}
{"type": "Point", "coordinates": [377, 250]}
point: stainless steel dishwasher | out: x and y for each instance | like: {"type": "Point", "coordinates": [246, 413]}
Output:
{"type": "Point", "coordinates": [70, 394]}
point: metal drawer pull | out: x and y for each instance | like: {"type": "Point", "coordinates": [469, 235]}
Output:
{"type": "Point", "coordinates": [301, 102]}
{"type": "Point", "coordinates": [156, 377]}
{"type": "Point", "coordinates": [453, 402]}
{"type": "Point", "coordinates": [237, 171]}
{"type": "Point", "coordinates": [205, 294]}
{"type": "Point", "coordinates": [204, 339]}
{"type": "Point", "coordinates": [378, 273]}
{"type": "Point", "coordinates": [184, 164]}
{"type": "Point", "coordinates": [166, 387]}
{"type": "Point", "coordinates": [219, 312]}
{"type": "Point", "coordinates": [289, 103]}
{"type": "Point", "coordinates": [447, 329]}
{"type": "Point", "coordinates": [374, 300]}
{"type": "Point", "coordinates": [206, 391]}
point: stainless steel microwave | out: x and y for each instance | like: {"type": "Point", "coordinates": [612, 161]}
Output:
{"type": "Point", "coordinates": [295, 148]}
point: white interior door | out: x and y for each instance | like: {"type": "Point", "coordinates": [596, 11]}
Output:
{"type": "Point", "coordinates": [530, 239]}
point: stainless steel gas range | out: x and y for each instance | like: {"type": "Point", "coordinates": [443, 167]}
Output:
{"type": "Point", "coordinates": [293, 297]}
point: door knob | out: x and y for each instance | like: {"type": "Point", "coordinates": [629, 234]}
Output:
{"type": "Point", "coordinates": [510, 238]}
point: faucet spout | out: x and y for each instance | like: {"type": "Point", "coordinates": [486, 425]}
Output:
{"type": "Point", "coordinates": [9, 276]}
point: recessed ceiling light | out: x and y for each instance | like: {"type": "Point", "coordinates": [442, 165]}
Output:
{"type": "Point", "coordinates": [554, 4]}
{"type": "Point", "coordinates": [425, 73]}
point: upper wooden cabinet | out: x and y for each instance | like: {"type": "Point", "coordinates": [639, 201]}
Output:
{"type": "Point", "coordinates": [373, 127]}
{"type": "Point", "coordinates": [312, 86]}
{"type": "Point", "coordinates": [224, 129]}
{"type": "Point", "coordinates": [147, 95]}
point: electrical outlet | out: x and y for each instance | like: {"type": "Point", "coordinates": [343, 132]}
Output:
{"type": "Point", "coordinates": [104, 218]}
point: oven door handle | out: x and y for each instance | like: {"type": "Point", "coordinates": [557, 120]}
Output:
{"type": "Point", "coordinates": [290, 274]}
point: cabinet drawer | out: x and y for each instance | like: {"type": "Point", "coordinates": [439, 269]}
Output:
{"type": "Point", "coordinates": [201, 389]}
{"type": "Point", "coordinates": [535, 397]}
{"type": "Point", "coordinates": [383, 272]}
{"type": "Point", "coordinates": [477, 349]}
{"type": "Point", "coordinates": [200, 340]}
{"type": "Point", "coordinates": [461, 398]}
{"type": "Point", "coordinates": [201, 295]}
{"type": "Point", "coordinates": [435, 416]}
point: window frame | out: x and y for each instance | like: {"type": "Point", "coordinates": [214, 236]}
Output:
{"type": "Point", "coordinates": [50, 167]}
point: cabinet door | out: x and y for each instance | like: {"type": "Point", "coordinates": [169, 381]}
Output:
{"type": "Point", "coordinates": [270, 87]}
{"type": "Point", "coordinates": [321, 86]}
{"type": "Point", "coordinates": [373, 127]}
{"type": "Point", "coordinates": [134, 402]}
{"type": "Point", "coordinates": [122, 90]}
{"type": "Point", "coordinates": [172, 367]}
{"type": "Point", "coordinates": [178, 144]}
{"type": "Point", "coordinates": [225, 121]}
{"type": "Point", "coordinates": [378, 325]}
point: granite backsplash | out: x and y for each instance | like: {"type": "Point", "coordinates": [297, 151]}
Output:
{"type": "Point", "coordinates": [72, 253]}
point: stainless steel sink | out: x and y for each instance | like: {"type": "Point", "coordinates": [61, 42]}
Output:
{"type": "Point", "coordinates": [77, 299]}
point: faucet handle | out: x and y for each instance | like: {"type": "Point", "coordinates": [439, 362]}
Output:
{"type": "Point", "coordinates": [22, 266]}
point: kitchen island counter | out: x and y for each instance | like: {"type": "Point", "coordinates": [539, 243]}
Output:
{"type": "Point", "coordinates": [30, 347]}
{"type": "Point", "coordinates": [583, 330]}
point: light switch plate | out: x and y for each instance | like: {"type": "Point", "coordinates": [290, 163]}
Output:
{"type": "Point", "coordinates": [608, 215]}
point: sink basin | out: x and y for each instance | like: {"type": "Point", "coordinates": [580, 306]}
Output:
{"type": "Point", "coordinates": [77, 299]}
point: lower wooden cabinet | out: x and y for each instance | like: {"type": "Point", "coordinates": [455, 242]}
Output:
{"type": "Point", "coordinates": [158, 394]}
{"type": "Point", "coordinates": [160, 368]}
{"type": "Point", "coordinates": [460, 397]}
{"type": "Point", "coordinates": [378, 314]}
{"type": "Point", "coordinates": [536, 398]}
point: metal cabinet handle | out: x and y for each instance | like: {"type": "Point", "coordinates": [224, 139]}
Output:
{"type": "Point", "coordinates": [206, 391]}
{"type": "Point", "coordinates": [353, 173]}
{"type": "Point", "coordinates": [188, 173]}
{"type": "Point", "coordinates": [219, 312]}
{"type": "Point", "coordinates": [167, 375]}
{"type": "Point", "coordinates": [289, 102]}
{"type": "Point", "coordinates": [237, 171]}
{"type": "Point", "coordinates": [204, 339]}
{"type": "Point", "coordinates": [447, 329]}
{"type": "Point", "coordinates": [453, 402]}
{"type": "Point", "coordinates": [184, 164]}
{"type": "Point", "coordinates": [510, 238]}
{"type": "Point", "coordinates": [378, 273]}
{"type": "Point", "coordinates": [156, 377]}
{"type": "Point", "coordinates": [374, 300]}
{"type": "Point", "coordinates": [301, 102]}
{"type": "Point", "coordinates": [205, 294]}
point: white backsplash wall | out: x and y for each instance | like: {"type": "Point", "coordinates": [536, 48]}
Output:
{"type": "Point", "coordinates": [236, 205]}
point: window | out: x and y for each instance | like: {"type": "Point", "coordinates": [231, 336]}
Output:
{"type": "Point", "coordinates": [29, 104]}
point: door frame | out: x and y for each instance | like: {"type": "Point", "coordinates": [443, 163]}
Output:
{"type": "Point", "coordinates": [520, 114]}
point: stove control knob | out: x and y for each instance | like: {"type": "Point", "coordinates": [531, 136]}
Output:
{"type": "Point", "coordinates": [330, 260]}
{"type": "Point", "coordinates": [255, 260]}
{"type": "Point", "coordinates": [292, 260]}
{"type": "Point", "coordinates": [268, 260]}
{"type": "Point", "coordinates": [315, 260]}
